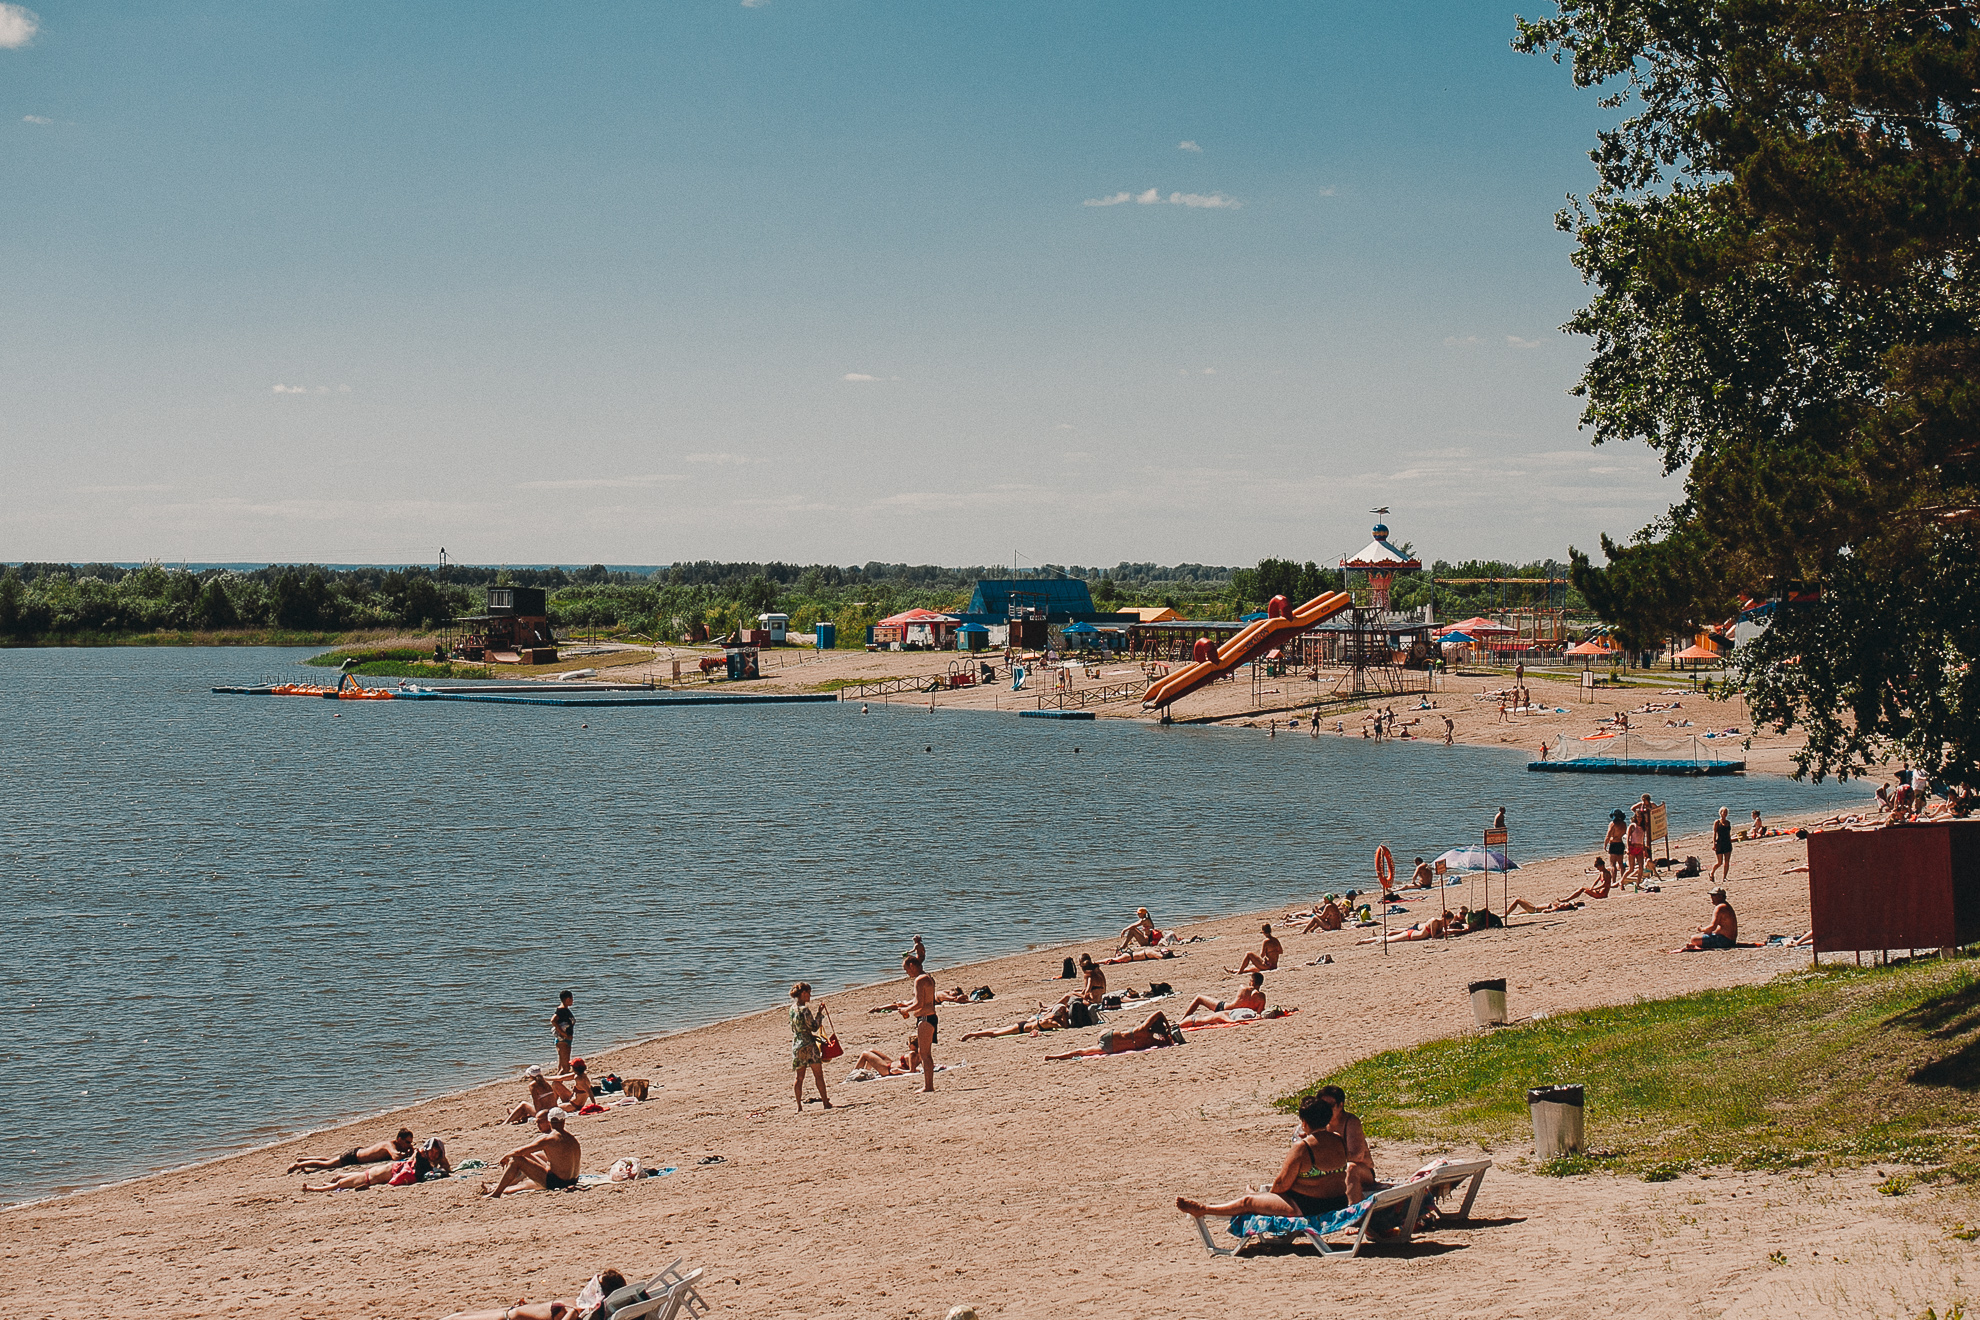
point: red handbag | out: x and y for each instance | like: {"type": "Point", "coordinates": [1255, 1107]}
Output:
{"type": "Point", "coordinates": [832, 1047]}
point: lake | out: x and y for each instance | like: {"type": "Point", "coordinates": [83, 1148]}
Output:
{"type": "Point", "coordinates": [234, 918]}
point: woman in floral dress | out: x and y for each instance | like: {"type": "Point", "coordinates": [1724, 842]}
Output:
{"type": "Point", "coordinates": [807, 1049]}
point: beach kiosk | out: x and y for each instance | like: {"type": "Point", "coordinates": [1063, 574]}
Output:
{"type": "Point", "coordinates": [1380, 562]}
{"type": "Point", "coordinates": [777, 625]}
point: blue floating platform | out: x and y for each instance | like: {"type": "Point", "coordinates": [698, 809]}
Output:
{"type": "Point", "coordinates": [1598, 765]}
{"type": "Point", "coordinates": [1055, 714]}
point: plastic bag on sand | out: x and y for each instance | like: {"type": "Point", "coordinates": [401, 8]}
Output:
{"type": "Point", "coordinates": [627, 1170]}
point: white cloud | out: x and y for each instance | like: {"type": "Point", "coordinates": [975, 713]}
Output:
{"type": "Point", "coordinates": [117, 490]}
{"type": "Point", "coordinates": [1514, 341]}
{"type": "Point", "coordinates": [1154, 197]}
{"type": "Point", "coordinates": [754, 4]}
{"type": "Point", "coordinates": [309, 389]}
{"type": "Point", "coordinates": [1326, 192]}
{"type": "Point", "coordinates": [1063, 426]}
{"type": "Point", "coordinates": [18, 24]}
{"type": "Point", "coordinates": [1188, 146]}
{"type": "Point", "coordinates": [1454, 341]}
{"type": "Point", "coordinates": [603, 483]}
{"type": "Point", "coordinates": [723, 460]}
{"type": "Point", "coordinates": [1209, 371]}
{"type": "Point", "coordinates": [36, 119]}
{"type": "Point", "coordinates": [858, 375]}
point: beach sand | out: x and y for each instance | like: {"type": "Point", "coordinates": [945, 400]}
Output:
{"type": "Point", "coordinates": [1034, 1189]}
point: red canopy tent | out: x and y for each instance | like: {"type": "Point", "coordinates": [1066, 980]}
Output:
{"type": "Point", "coordinates": [1696, 652]}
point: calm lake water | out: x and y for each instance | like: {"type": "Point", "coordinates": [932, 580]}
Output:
{"type": "Point", "coordinates": [232, 918]}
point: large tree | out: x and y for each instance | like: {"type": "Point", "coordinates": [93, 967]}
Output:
{"type": "Point", "coordinates": [1787, 307]}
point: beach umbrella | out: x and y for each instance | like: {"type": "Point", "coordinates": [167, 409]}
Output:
{"type": "Point", "coordinates": [1475, 858]}
{"type": "Point", "coordinates": [1590, 647]}
{"type": "Point", "coordinates": [1454, 639]}
{"type": "Point", "coordinates": [1082, 628]}
{"type": "Point", "coordinates": [1697, 653]}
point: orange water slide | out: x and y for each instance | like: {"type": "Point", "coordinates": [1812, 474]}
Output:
{"type": "Point", "coordinates": [1259, 636]}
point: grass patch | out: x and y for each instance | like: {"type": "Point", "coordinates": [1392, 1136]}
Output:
{"type": "Point", "coordinates": [397, 662]}
{"type": "Point", "coordinates": [1831, 1066]}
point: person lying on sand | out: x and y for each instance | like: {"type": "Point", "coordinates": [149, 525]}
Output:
{"type": "Point", "coordinates": [551, 1161]}
{"type": "Point", "coordinates": [1231, 1017]}
{"type": "Point", "coordinates": [1327, 917]}
{"type": "Point", "coordinates": [543, 1094]}
{"type": "Point", "coordinates": [886, 1065]}
{"type": "Point", "coordinates": [1142, 934]}
{"type": "Point", "coordinates": [1722, 932]}
{"type": "Point", "coordinates": [604, 1284]}
{"type": "Point", "coordinates": [1312, 1179]}
{"type": "Point", "coordinates": [1045, 1019]}
{"type": "Point", "coordinates": [1433, 929]}
{"type": "Point", "coordinates": [1267, 957]}
{"type": "Point", "coordinates": [1138, 955]}
{"type": "Point", "coordinates": [1251, 997]}
{"type": "Point", "coordinates": [1155, 1030]}
{"type": "Point", "coordinates": [397, 1147]}
{"type": "Point", "coordinates": [431, 1156]}
{"type": "Point", "coordinates": [1558, 905]}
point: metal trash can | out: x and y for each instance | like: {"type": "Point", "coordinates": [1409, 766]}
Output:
{"type": "Point", "coordinates": [1556, 1114]}
{"type": "Point", "coordinates": [1488, 1003]}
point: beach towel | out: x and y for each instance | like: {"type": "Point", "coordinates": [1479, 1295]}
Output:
{"type": "Point", "coordinates": [1247, 1226]}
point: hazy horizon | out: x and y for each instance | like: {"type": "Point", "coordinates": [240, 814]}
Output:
{"type": "Point", "coordinates": [791, 280]}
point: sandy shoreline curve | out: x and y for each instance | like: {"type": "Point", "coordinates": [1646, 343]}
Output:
{"type": "Point", "coordinates": [1028, 1188]}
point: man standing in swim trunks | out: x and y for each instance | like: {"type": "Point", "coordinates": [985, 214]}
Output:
{"type": "Point", "coordinates": [563, 1023]}
{"type": "Point", "coordinates": [922, 1011]}
{"type": "Point", "coordinates": [551, 1161]}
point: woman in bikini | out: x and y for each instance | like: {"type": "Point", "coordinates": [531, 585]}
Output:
{"type": "Point", "coordinates": [1044, 1020]}
{"type": "Point", "coordinates": [1312, 1182]}
{"type": "Point", "coordinates": [888, 1065]}
{"type": "Point", "coordinates": [607, 1281]}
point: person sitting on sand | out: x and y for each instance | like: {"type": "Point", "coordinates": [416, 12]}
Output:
{"type": "Point", "coordinates": [1251, 997]}
{"type": "Point", "coordinates": [1231, 1017]}
{"type": "Point", "coordinates": [1434, 929]}
{"type": "Point", "coordinates": [1312, 1180]}
{"type": "Point", "coordinates": [1267, 957]}
{"type": "Point", "coordinates": [429, 1157]}
{"type": "Point", "coordinates": [543, 1094]}
{"type": "Point", "coordinates": [1328, 917]}
{"type": "Point", "coordinates": [551, 1161]}
{"type": "Point", "coordinates": [578, 1082]}
{"type": "Point", "coordinates": [1142, 934]}
{"type": "Point", "coordinates": [605, 1283]}
{"type": "Point", "coordinates": [1600, 889]}
{"type": "Point", "coordinates": [398, 1147]}
{"type": "Point", "coordinates": [886, 1065]}
{"type": "Point", "coordinates": [1154, 1030]}
{"type": "Point", "coordinates": [1138, 955]}
{"type": "Point", "coordinates": [1045, 1019]}
{"type": "Point", "coordinates": [1095, 988]}
{"type": "Point", "coordinates": [1423, 877]}
{"type": "Point", "coordinates": [1722, 932]}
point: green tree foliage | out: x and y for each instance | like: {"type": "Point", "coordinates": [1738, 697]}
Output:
{"type": "Point", "coordinates": [1782, 246]}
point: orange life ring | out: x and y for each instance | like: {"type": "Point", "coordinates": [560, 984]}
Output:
{"type": "Point", "coordinates": [1385, 867]}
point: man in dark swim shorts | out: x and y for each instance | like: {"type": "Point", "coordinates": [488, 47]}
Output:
{"type": "Point", "coordinates": [1723, 932]}
{"type": "Point", "coordinates": [398, 1148]}
{"type": "Point", "coordinates": [551, 1161]}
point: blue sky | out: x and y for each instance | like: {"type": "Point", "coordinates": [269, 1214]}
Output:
{"type": "Point", "coordinates": [800, 279]}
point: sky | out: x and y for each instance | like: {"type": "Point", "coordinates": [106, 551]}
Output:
{"type": "Point", "coordinates": [814, 280]}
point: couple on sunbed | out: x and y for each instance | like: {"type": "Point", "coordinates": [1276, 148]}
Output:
{"type": "Point", "coordinates": [589, 1304]}
{"type": "Point", "coordinates": [1328, 1169]}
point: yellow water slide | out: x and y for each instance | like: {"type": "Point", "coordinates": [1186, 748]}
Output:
{"type": "Point", "coordinates": [1259, 636]}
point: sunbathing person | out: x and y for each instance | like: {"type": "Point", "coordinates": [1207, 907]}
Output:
{"type": "Point", "coordinates": [1231, 1017]}
{"type": "Point", "coordinates": [1329, 917]}
{"type": "Point", "coordinates": [1600, 889]}
{"type": "Point", "coordinates": [551, 1161]}
{"type": "Point", "coordinates": [1138, 955]}
{"type": "Point", "coordinates": [1267, 957]}
{"type": "Point", "coordinates": [1423, 877]}
{"type": "Point", "coordinates": [1722, 932]}
{"type": "Point", "coordinates": [398, 1147]}
{"type": "Point", "coordinates": [1251, 997]}
{"type": "Point", "coordinates": [579, 1083]}
{"type": "Point", "coordinates": [431, 1156]}
{"type": "Point", "coordinates": [1558, 905]}
{"type": "Point", "coordinates": [1095, 988]}
{"type": "Point", "coordinates": [1361, 1161]}
{"type": "Point", "coordinates": [1046, 1019]}
{"type": "Point", "coordinates": [1312, 1180]}
{"type": "Point", "coordinates": [607, 1282]}
{"type": "Point", "coordinates": [1434, 929]}
{"type": "Point", "coordinates": [886, 1065]}
{"type": "Point", "coordinates": [1156, 1030]}
{"type": "Point", "coordinates": [543, 1094]}
{"type": "Point", "coordinates": [1142, 934]}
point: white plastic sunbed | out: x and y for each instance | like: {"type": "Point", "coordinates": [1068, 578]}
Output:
{"type": "Point", "coordinates": [1413, 1195]}
{"type": "Point", "coordinates": [664, 1297]}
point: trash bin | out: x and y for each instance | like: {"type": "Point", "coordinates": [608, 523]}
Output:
{"type": "Point", "coordinates": [1556, 1119]}
{"type": "Point", "coordinates": [1488, 1003]}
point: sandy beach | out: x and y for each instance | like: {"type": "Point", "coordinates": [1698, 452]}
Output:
{"type": "Point", "coordinates": [1032, 1188]}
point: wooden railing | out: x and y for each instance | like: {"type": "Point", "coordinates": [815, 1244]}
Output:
{"type": "Point", "coordinates": [1080, 698]}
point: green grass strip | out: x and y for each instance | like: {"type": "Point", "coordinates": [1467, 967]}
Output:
{"type": "Point", "coordinates": [1832, 1066]}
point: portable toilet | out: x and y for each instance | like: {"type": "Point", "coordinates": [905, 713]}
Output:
{"type": "Point", "coordinates": [776, 625]}
{"type": "Point", "coordinates": [827, 635]}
